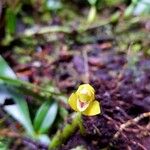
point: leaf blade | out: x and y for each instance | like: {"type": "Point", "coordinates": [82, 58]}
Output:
{"type": "Point", "coordinates": [49, 118]}
{"type": "Point", "coordinates": [45, 116]}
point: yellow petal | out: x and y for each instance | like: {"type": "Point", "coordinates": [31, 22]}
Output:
{"type": "Point", "coordinates": [84, 97]}
{"type": "Point", "coordinates": [93, 109]}
{"type": "Point", "coordinates": [73, 101]}
{"type": "Point", "coordinates": [86, 92]}
{"type": "Point", "coordinates": [87, 86]}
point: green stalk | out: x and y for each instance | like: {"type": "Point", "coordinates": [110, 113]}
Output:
{"type": "Point", "coordinates": [62, 135]}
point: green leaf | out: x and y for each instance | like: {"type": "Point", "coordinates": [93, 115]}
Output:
{"type": "Point", "coordinates": [4, 143]}
{"type": "Point", "coordinates": [45, 116]}
{"type": "Point", "coordinates": [10, 21]}
{"type": "Point", "coordinates": [40, 115]}
{"type": "Point", "coordinates": [20, 109]}
{"type": "Point", "coordinates": [4, 94]}
{"type": "Point", "coordinates": [5, 70]}
{"type": "Point", "coordinates": [49, 118]}
{"type": "Point", "coordinates": [129, 10]}
{"type": "Point", "coordinates": [92, 14]}
{"type": "Point", "coordinates": [11, 81]}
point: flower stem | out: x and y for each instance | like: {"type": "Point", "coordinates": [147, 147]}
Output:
{"type": "Point", "coordinates": [80, 123]}
{"type": "Point", "coordinates": [62, 135]}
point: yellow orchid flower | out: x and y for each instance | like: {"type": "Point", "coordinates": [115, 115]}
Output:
{"type": "Point", "coordinates": [83, 100]}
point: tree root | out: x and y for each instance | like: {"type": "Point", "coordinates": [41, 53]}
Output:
{"type": "Point", "coordinates": [130, 122]}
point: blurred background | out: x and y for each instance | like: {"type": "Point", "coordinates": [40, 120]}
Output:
{"type": "Point", "coordinates": [17, 16]}
{"type": "Point", "coordinates": [49, 47]}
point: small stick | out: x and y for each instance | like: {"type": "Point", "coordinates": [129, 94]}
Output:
{"type": "Point", "coordinates": [140, 145]}
{"type": "Point", "coordinates": [44, 30]}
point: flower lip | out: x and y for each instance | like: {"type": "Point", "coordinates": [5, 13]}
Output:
{"type": "Point", "coordinates": [81, 106]}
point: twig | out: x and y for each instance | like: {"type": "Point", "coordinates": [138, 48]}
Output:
{"type": "Point", "coordinates": [130, 122]}
{"type": "Point", "coordinates": [140, 145]}
{"type": "Point", "coordinates": [44, 30]}
{"type": "Point", "coordinates": [116, 124]}
{"type": "Point", "coordinates": [55, 29]}
{"type": "Point", "coordinates": [39, 30]}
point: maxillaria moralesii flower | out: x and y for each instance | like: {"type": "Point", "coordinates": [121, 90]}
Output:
{"type": "Point", "coordinates": [83, 100]}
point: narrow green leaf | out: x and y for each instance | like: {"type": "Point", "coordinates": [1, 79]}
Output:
{"type": "Point", "coordinates": [128, 12]}
{"type": "Point", "coordinates": [26, 85]}
{"type": "Point", "coordinates": [11, 81]}
{"type": "Point", "coordinates": [4, 94]}
{"type": "Point", "coordinates": [20, 112]}
{"type": "Point", "coordinates": [41, 113]}
{"type": "Point", "coordinates": [49, 118]}
{"type": "Point", "coordinates": [45, 116]}
{"type": "Point", "coordinates": [10, 21]}
{"type": "Point", "coordinates": [5, 70]}
{"type": "Point", "coordinates": [20, 109]}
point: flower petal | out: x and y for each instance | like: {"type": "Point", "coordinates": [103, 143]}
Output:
{"type": "Point", "coordinates": [93, 109]}
{"type": "Point", "coordinates": [87, 86]}
{"type": "Point", "coordinates": [84, 97]}
{"type": "Point", "coordinates": [73, 101]}
{"type": "Point", "coordinates": [86, 92]}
